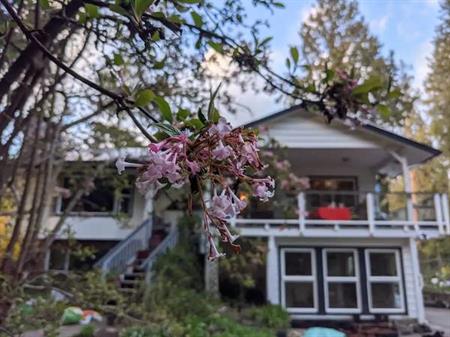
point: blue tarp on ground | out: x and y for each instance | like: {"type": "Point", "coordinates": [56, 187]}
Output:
{"type": "Point", "coordinates": [323, 332]}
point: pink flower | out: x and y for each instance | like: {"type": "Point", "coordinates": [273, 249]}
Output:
{"type": "Point", "coordinates": [222, 128]}
{"type": "Point", "coordinates": [193, 166]}
{"type": "Point", "coordinates": [121, 165]}
{"type": "Point", "coordinates": [249, 152]}
{"type": "Point", "coordinates": [213, 252]}
{"type": "Point", "coordinates": [222, 206]}
{"type": "Point", "coordinates": [221, 152]}
{"type": "Point", "coordinates": [261, 189]}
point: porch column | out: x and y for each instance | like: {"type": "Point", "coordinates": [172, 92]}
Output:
{"type": "Point", "coordinates": [148, 214]}
{"type": "Point", "coordinates": [418, 283]}
{"type": "Point", "coordinates": [272, 272]}
{"type": "Point", "coordinates": [407, 185]}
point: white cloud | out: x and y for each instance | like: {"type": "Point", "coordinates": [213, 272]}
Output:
{"type": "Point", "coordinates": [379, 25]}
{"type": "Point", "coordinates": [260, 103]}
{"type": "Point", "coordinates": [432, 3]}
{"type": "Point", "coordinates": [421, 64]}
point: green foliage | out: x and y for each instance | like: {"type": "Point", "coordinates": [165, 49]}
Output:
{"type": "Point", "coordinates": [87, 331]}
{"type": "Point", "coordinates": [144, 97]}
{"type": "Point", "coordinates": [271, 316]}
{"type": "Point", "coordinates": [240, 269]}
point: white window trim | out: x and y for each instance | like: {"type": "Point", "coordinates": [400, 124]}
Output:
{"type": "Point", "coordinates": [300, 278]}
{"type": "Point", "coordinates": [341, 279]}
{"type": "Point", "coordinates": [398, 279]}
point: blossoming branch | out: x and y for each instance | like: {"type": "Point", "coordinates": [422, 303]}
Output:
{"type": "Point", "coordinates": [216, 155]}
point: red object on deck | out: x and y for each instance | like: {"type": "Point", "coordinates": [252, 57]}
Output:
{"type": "Point", "coordinates": [331, 213]}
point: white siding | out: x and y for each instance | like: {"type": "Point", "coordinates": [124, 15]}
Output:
{"type": "Point", "coordinates": [410, 288]}
{"type": "Point", "coordinates": [295, 131]}
{"type": "Point", "coordinates": [100, 227]}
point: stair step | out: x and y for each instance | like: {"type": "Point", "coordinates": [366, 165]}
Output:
{"type": "Point", "coordinates": [142, 254]}
{"type": "Point", "coordinates": [133, 277]}
{"type": "Point", "coordinates": [127, 285]}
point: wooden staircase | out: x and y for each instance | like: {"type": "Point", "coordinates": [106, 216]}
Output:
{"type": "Point", "coordinates": [136, 272]}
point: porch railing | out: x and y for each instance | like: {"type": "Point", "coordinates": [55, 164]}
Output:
{"type": "Point", "coordinates": [168, 243]}
{"type": "Point", "coordinates": [368, 210]}
{"type": "Point", "coordinates": [122, 254]}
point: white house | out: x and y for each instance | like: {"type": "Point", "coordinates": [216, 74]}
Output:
{"type": "Point", "coordinates": [349, 250]}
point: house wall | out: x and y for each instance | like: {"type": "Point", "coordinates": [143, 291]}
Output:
{"type": "Point", "coordinates": [296, 131]}
{"type": "Point", "coordinates": [88, 226]}
{"type": "Point", "coordinates": [409, 261]}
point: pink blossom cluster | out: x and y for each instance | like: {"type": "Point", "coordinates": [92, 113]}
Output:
{"type": "Point", "coordinates": [218, 155]}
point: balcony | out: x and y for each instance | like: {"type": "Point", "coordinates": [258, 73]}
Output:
{"type": "Point", "coordinates": [348, 214]}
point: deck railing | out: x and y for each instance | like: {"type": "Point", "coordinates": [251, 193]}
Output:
{"type": "Point", "coordinates": [122, 254]}
{"type": "Point", "coordinates": [169, 242]}
{"type": "Point", "coordinates": [369, 211]}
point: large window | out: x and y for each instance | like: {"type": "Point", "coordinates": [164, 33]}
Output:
{"type": "Point", "coordinates": [105, 198]}
{"type": "Point", "coordinates": [384, 280]}
{"type": "Point", "coordinates": [326, 191]}
{"type": "Point", "coordinates": [341, 280]}
{"type": "Point", "coordinates": [299, 280]}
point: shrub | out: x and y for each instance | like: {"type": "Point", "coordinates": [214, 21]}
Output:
{"type": "Point", "coordinates": [87, 331]}
{"type": "Point", "coordinates": [270, 316]}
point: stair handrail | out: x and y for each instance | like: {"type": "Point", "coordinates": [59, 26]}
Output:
{"type": "Point", "coordinates": [121, 255]}
{"type": "Point", "coordinates": [169, 242]}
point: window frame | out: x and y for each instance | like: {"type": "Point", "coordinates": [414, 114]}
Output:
{"type": "Point", "coordinates": [300, 278]}
{"type": "Point", "coordinates": [398, 279]}
{"type": "Point", "coordinates": [341, 279]}
{"type": "Point", "coordinates": [117, 199]}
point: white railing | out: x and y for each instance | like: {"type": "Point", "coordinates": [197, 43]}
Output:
{"type": "Point", "coordinates": [168, 243]}
{"type": "Point", "coordinates": [389, 214]}
{"type": "Point", "coordinates": [122, 254]}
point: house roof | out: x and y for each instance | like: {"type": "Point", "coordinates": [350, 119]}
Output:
{"type": "Point", "coordinates": [368, 127]}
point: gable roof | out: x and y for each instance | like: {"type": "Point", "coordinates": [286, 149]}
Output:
{"type": "Point", "coordinates": [430, 152]}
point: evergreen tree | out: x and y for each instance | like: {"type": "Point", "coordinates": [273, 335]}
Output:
{"type": "Point", "coordinates": [438, 84]}
{"type": "Point", "coordinates": [336, 36]}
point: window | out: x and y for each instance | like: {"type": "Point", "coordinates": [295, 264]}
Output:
{"type": "Point", "coordinates": [299, 283]}
{"type": "Point", "coordinates": [103, 199]}
{"type": "Point", "coordinates": [384, 280]}
{"type": "Point", "coordinates": [341, 280]}
{"type": "Point", "coordinates": [325, 191]}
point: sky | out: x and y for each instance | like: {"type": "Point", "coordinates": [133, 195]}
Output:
{"type": "Point", "coordinates": [403, 26]}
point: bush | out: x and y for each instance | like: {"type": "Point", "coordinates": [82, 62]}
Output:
{"type": "Point", "coordinates": [87, 331]}
{"type": "Point", "coordinates": [270, 316]}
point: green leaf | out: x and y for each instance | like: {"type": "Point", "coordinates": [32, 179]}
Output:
{"type": "Point", "coordinates": [218, 47]}
{"type": "Point", "coordinates": [44, 4]}
{"type": "Point", "coordinates": [91, 11]}
{"type": "Point", "coordinates": [118, 59]}
{"type": "Point", "coordinates": [167, 128]}
{"type": "Point", "coordinates": [288, 63]}
{"type": "Point", "coordinates": [159, 64]}
{"type": "Point", "coordinates": [144, 97]}
{"type": "Point", "coordinates": [279, 4]}
{"type": "Point", "coordinates": [194, 123]}
{"type": "Point", "coordinates": [202, 117]}
{"type": "Point", "coordinates": [140, 6]}
{"type": "Point", "coordinates": [164, 108]}
{"type": "Point", "coordinates": [384, 111]}
{"type": "Point", "coordinates": [182, 114]}
{"type": "Point", "coordinates": [329, 75]}
{"type": "Point", "coordinates": [198, 20]}
{"type": "Point", "coordinates": [294, 54]}
{"type": "Point", "coordinates": [155, 36]}
{"type": "Point", "coordinates": [371, 84]}
{"type": "Point", "coordinates": [266, 40]}
{"type": "Point", "coordinates": [394, 94]}
{"type": "Point", "coordinates": [213, 113]}
{"type": "Point", "coordinates": [118, 9]}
